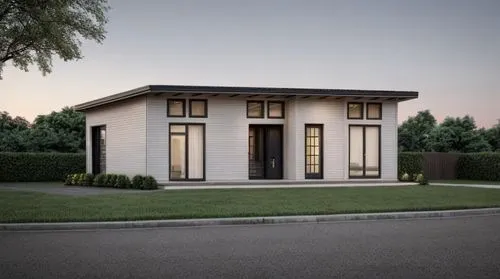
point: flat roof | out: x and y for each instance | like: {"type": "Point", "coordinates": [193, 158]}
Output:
{"type": "Point", "coordinates": [233, 91]}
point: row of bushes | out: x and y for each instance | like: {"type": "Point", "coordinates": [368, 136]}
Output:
{"type": "Point", "coordinates": [479, 166]}
{"type": "Point", "coordinates": [410, 165]}
{"type": "Point", "coordinates": [112, 180]}
{"type": "Point", "coordinates": [26, 167]}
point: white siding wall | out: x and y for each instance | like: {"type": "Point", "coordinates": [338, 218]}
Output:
{"type": "Point", "coordinates": [227, 137]}
{"type": "Point", "coordinates": [125, 136]}
{"type": "Point", "coordinates": [226, 133]}
{"type": "Point", "coordinates": [330, 114]}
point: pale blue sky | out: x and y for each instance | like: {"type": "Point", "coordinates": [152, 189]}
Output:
{"type": "Point", "coordinates": [447, 50]}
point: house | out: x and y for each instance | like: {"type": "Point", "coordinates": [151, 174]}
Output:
{"type": "Point", "coordinates": [212, 133]}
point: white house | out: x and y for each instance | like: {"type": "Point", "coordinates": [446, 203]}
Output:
{"type": "Point", "coordinates": [209, 133]}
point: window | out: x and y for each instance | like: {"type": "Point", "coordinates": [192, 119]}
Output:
{"type": "Point", "coordinates": [364, 151]}
{"type": "Point", "coordinates": [275, 109]}
{"type": "Point", "coordinates": [255, 109]}
{"type": "Point", "coordinates": [354, 110]}
{"type": "Point", "coordinates": [197, 108]}
{"type": "Point", "coordinates": [176, 108]}
{"type": "Point", "coordinates": [314, 151]}
{"type": "Point", "coordinates": [373, 111]}
{"type": "Point", "coordinates": [187, 151]}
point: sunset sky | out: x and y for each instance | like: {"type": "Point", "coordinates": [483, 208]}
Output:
{"type": "Point", "coordinates": [447, 50]}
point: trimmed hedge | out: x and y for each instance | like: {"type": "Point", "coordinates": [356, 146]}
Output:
{"type": "Point", "coordinates": [410, 163]}
{"type": "Point", "coordinates": [112, 181]}
{"type": "Point", "coordinates": [28, 167]}
{"type": "Point", "coordinates": [479, 166]}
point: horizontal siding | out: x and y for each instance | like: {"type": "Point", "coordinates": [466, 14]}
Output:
{"type": "Point", "coordinates": [125, 136]}
{"type": "Point", "coordinates": [226, 133]}
{"type": "Point", "coordinates": [330, 114]}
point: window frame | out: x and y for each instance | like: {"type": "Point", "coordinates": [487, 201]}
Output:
{"type": "Point", "coordinates": [355, 103]}
{"type": "Point", "coordinates": [186, 150]}
{"type": "Point", "coordinates": [183, 107]}
{"type": "Point", "coordinates": [205, 111]}
{"type": "Point", "coordinates": [282, 103]}
{"type": "Point", "coordinates": [262, 113]}
{"type": "Point", "coordinates": [321, 151]}
{"type": "Point", "coordinates": [368, 111]}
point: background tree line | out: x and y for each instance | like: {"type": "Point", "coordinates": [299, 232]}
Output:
{"type": "Point", "coordinates": [459, 134]}
{"type": "Point", "coordinates": [62, 131]}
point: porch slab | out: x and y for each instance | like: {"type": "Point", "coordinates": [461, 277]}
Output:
{"type": "Point", "coordinates": [262, 184]}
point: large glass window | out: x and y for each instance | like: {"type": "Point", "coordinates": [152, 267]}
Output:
{"type": "Point", "coordinates": [355, 110]}
{"type": "Point", "coordinates": [176, 107]}
{"type": "Point", "coordinates": [314, 152]}
{"type": "Point", "coordinates": [187, 152]}
{"type": "Point", "coordinates": [255, 109]}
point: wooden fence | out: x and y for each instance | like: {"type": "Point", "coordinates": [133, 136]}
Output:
{"type": "Point", "coordinates": [438, 165]}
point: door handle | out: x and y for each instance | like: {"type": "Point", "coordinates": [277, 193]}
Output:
{"type": "Point", "coordinates": [273, 162]}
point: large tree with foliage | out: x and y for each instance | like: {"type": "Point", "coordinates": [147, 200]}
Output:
{"type": "Point", "coordinates": [458, 134]}
{"type": "Point", "coordinates": [32, 31]}
{"type": "Point", "coordinates": [413, 134]}
{"type": "Point", "coordinates": [62, 131]}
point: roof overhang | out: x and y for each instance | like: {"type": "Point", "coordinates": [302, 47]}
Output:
{"type": "Point", "coordinates": [251, 92]}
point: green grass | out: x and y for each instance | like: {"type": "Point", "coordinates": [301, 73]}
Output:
{"type": "Point", "coordinates": [459, 181]}
{"type": "Point", "coordinates": [37, 207]}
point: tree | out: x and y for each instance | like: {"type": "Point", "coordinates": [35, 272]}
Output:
{"type": "Point", "coordinates": [32, 31]}
{"type": "Point", "coordinates": [415, 131]}
{"type": "Point", "coordinates": [13, 132]}
{"type": "Point", "coordinates": [62, 131]}
{"type": "Point", "coordinates": [492, 135]}
{"type": "Point", "coordinates": [458, 135]}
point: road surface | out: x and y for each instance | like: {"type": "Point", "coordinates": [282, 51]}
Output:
{"type": "Point", "coordinates": [467, 247]}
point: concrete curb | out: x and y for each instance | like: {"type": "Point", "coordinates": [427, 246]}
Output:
{"type": "Point", "coordinates": [245, 220]}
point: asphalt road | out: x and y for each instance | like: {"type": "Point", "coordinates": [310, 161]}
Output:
{"type": "Point", "coordinates": [438, 248]}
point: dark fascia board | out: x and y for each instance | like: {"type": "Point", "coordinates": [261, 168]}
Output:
{"type": "Point", "coordinates": [231, 90]}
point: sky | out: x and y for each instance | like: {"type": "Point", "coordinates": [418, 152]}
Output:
{"type": "Point", "coordinates": [448, 51]}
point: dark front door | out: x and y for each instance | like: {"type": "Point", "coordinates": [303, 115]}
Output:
{"type": "Point", "coordinates": [265, 144]}
{"type": "Point", "coordinates": [98, 149]}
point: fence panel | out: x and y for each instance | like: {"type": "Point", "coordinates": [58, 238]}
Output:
{"type": "Point", "coordinates": [438, 165]}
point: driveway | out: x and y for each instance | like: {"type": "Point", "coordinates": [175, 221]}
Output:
{"type": "Point", "coordinates": [464, 247]}
{"type": "Point", "coordinates": [58, 188]}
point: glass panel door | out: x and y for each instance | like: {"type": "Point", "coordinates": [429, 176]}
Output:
{"type": "Point", "coordinates": [195, 151]}
{"type": "Point", "coordinates": [187, 151]}
{"type": "Point", "coordinates": [356, 164]}
{"type": "Point", "coordinates": [314, 160]}
{"type": "Point", "coordinates": [364, 151]}
{"type": "Point", "coordinates": [178, 156]}
{"type": "Point", "coordinates": [372, 144]}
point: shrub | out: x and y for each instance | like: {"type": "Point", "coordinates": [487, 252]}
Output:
{"type": "Point", "coordinates": [479, 166]}
{"type": "Point", "coordinates": [110, 180]}
{"type": "Point", "coordinates": [25, 167]}
{"type": "Point", "coordinates": [137, 181]}
{"type": "Point", "coordinates": [88, 180]}
{"type": "Point", "coordinates": [410, 163]}
{"type": "Point", "coordinates": [149, 183]}
{"type": "Point", "coordinates": [122, 181]}
{"type": "Point", "coordinates": [68, 180]}
{"type": "Point", "coordinates": [75, 179]}
{"type": "Point", "coordinates": [405, 177]}
{"type": "Point", "coordinates": [100, 180]}
{"type": "Point", "coordinates": [420, 179]}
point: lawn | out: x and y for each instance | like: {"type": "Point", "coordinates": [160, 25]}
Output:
{"type": "Point", "coordinates": [16, 206]}
{"type": "Point", "coordinates": [459, 181]}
